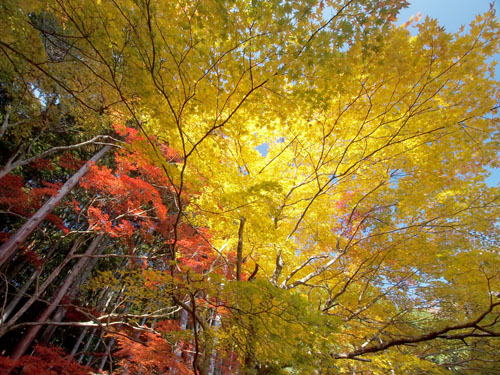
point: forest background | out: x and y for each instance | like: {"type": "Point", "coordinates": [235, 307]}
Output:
{"type": "Point", "coordinates": [247, 187]}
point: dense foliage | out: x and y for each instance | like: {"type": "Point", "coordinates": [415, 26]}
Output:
{"type": "Point", "coordinates": [247, 187]}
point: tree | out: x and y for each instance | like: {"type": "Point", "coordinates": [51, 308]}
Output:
{"type": "Point", "coordinates": [7, 249]}
{"type": "Point", "coordinates": [363, 239]}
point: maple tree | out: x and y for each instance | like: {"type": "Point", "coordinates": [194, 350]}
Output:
{"type": "Point", "coordinates": [364, 239]}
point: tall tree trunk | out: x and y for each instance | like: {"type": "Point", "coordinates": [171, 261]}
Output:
{"type": "Point", "coordinates": [250, 362]}
{"type": "Point", "coordinates": [109, 306]}
{"type": "Point", "coordinates": [111, 343]}
{"type": "Point", "coordinates": [61, 292]}
{"type": "Point", "coordinates": [101, 300]}
{"type": "Point", "coordinates": [12, 270]}
{"type": "Point", "coordinates": [107, 300]}
{"type": "Point", "coordinates": [39, 290]}
{"type": "Point", "coordinates": [87, 345]}
{"type": "Point", "coordinates": [19, 295]}
{"type": "Point", "coordinates": [216, 324]}
{"type": "Point", "coordinates": [22, 292]}
{"type": "Point", "coordinates": [78, 342]}
{"type": "Point", "coordinates": [239, 250]}
{"type": "Point", "coordinates": [72, 293]}
{"type": "Point", "coordinates": [9, 248]}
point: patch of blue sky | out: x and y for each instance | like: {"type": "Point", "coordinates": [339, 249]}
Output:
{"type": "Point", "coordinates": [263, 149]}
{"type": "Point", "coordinates": [451, 14]}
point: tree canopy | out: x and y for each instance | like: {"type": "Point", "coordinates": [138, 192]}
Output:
{"type": "Point", "coordinates": [247, 187]}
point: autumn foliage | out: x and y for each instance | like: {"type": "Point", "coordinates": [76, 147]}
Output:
{"type": "Point", "coordinates": [44, 361]}
{"type": "Point", "coordinates": [251, 187]}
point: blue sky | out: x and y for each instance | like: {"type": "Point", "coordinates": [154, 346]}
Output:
{"type": "Point", "coordinates": [452, 14]}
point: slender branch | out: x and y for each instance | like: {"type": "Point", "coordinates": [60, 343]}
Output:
{"type": "Point", "coordinates": [443, 333]}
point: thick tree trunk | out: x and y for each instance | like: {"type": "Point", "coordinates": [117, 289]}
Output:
{"type": "Point", "coordinates": [61, 292]}
{"type": "Point", "coordinates": [9, 248]}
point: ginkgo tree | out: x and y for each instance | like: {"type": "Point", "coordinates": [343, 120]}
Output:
{"type": "Point", "coordinates": [297, 187]}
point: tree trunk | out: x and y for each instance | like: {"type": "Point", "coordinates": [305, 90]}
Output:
{"type": "Point", "coordinates": [61, 292]}
{"type": "Point", "coordinates": [101, 300]}
{"type": "Point", "coordinates": [78, 342]}
{"type": "Point", "coordinates": [22, 292]}
{"type": "Point", "coordinates": [39, 290]}
{"type": "Point", "coordinates": [116, 301]}
{"type": "Point", "coordinates": [250, 362]}
{"type": "Point", "coordinates": [239, 250]}
{"type": "Point", "coordinates": [9, 248]}
{"type": "Point", "coordinates": [109, 347]}
{"type": "Point", "coordinates": [72, 293]}
{"type": "Point", "coordinates": [107, 299]}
